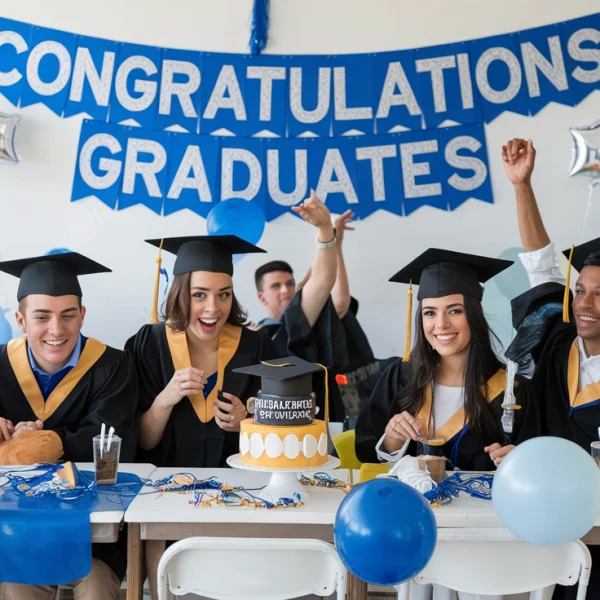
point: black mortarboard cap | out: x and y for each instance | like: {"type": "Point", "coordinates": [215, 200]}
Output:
{"type": "Point", "coordinates": [284, 377]}
{"type": "Point", "coordinates": [54, 275]}
{"type": "Point", "coordinates": [580, 253]}
{"type": "Point", "coordinates": [205, 252]}
{"type": "Point", "coordinates": [441, 273]}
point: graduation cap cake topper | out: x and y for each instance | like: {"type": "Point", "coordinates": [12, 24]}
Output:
{"type": "Point", "coordinates": [54, 275]}
{"type": "Point", "coordinates": [213, 253]}
{"type": "Point", "coordinates": [440, 273]}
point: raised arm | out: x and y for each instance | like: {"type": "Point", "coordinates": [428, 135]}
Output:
{"type": "Point", "coordinates": [519, 160]}
{"type": "Point", "coordinates": [341, 289]}
{"type": "Point", "coordinates": [318, 288]}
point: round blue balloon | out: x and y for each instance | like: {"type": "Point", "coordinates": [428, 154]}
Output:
{"type": "Point", "coordinates": [5, 328]}
{"type": "Point", "coordinates": [385, 532]}
{"type": "Point", "coordinates": [547, 491]}
{"type": "Point", "coordinates": [237, 217]}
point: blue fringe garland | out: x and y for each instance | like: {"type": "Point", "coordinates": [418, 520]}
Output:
{"type": "Point", "coordinates": [259, 32]}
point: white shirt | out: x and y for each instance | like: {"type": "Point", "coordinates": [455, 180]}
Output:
{"type": "Point", "coordinates": [542, 267]}
{"type": "Point", "coordinates": [447, 401]}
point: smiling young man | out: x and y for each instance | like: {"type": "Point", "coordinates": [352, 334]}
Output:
{"type": "Point", "coordinates": [558, 344]}
{"type": "Point", "coordinates": [56, 379]}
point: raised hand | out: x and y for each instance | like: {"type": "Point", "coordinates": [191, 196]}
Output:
{"type": "Point", "coordinates": [342, 223]}
{"type": "Point", "coordinates": [313, 211]}
{"type": "Point", "coordinates": [519, 160]}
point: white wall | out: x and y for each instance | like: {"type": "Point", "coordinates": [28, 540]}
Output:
{"type": "Point", "coordinates": [36, 215]}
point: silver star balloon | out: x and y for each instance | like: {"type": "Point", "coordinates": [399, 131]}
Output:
{"type": "Point", "coordinates": [8, 148]}
{"type": "Point", "coordinates": [585, 157]}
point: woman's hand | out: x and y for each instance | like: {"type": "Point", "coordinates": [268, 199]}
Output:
{"type": "Point", "coordinates": [400, 428]}
{"type": "Point", "coordinates": [185, 382]}
{"type": "Point", "coordinates": [497, 452]}
{"type": "Point", "coordinates": [229, 416]}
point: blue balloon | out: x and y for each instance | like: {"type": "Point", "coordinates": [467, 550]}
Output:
{"type": "Point", "coordinates": [237, 217]}
{"type": "Point", "coordinates": [5, 328]}
{"type": "Point", "coordinates": [385, 532]}
{"type": "Point", "coordinates": [57, 251]}
{"type": "Point", "coordinates": [547, 491]}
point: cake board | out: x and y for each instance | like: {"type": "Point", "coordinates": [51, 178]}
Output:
{"type": "Point", "coordinates": [284, 483]}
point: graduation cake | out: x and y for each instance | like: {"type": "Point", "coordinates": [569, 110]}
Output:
{"type": "Point", "coordinates": [284, 432]}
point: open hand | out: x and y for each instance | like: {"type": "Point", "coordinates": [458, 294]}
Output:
{"type": "Point", "coordinates": [6, 429]}
{"type": "Point", "coordinates": [342, 224]}
{"type": "Point", "coordinates": [24, 426]}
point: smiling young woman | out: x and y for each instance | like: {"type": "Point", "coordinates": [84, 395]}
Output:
{"type": "Point", "coordinates": [453, 386]}
{"type": "Point", "coordinates": [191, 401]}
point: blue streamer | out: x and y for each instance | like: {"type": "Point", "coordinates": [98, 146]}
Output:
{"type": "Point", "coordinates": [259, 33]}
{"type": "Point", "coordinates": [478, 486]}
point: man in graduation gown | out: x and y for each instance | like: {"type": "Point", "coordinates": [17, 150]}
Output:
{"type": "Point", "coordinates": [305, 322]}
{"type": "Point", "coordinates": [558, 335]}
{"type": "Point", "coordinates": [56, 379]}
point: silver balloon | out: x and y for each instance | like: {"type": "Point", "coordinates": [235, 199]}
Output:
{"type": "Point", "coordinates": [8, 148]}
{"type": "Point", "coordinates": [585, 157]}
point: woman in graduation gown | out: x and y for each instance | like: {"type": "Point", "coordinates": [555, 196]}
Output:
{"type": "Point", "coordinates": [191, 401]}
{"type": "Point", "coordinates": [453, 387]}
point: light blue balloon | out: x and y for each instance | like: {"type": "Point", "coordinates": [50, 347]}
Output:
{"type": "Point", "coordinates": [5, 328]}
{"type": "Point", "coordinates": [547, 491]}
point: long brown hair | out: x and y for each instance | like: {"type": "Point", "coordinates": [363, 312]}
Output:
{"type": "Point", "coordinates": [177, 308]}
{"type": "Point", "coordinates": [482, 363]}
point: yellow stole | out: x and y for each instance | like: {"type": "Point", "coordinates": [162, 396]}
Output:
{"type": "Point", "coordinates": [229, 340]}
{"type": "Point", "coordinates": [19, 361]}
{"type": "Point", "coordinates": [590, 393]}
{"type": "Point", "coordinates": [495, 386]}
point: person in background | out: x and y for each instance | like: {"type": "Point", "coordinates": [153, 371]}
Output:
{"type": "Point", "coordinates": [304, 322]}
{"type": "Point", "coordinates": [558, 334]}
{"type": "Point", "coordinates": [57, 379]}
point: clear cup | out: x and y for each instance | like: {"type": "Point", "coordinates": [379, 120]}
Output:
{"type": "Point", "coordinates": [107, 465]}
{"type": "Point", "coordinates": [595, 450]}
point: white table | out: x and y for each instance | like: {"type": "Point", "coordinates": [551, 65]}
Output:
{"type": "Point", "coordinates": [170, 516]}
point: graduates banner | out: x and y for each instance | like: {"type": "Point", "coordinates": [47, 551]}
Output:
{"type": "Point", "coordinates": [286, 98]}
{"type": "Point", "coordinates": [167, 172]}
{"type": "Point", "coordinates": [467, 82]}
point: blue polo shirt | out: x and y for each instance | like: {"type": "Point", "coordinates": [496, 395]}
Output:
{"type": "Point", "coordinates": [47, 382]}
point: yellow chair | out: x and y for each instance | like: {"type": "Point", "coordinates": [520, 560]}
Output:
{"type": "Point", "coordinates": [344, 446]}
{"type": "Point", "coordinates": [370, 470]}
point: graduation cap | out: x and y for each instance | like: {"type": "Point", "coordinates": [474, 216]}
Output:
{"type": "Point", "coordinates": [440, 273]}
{"type": "Point", "coordinates": [576, 256]}
{"type": "Point", "coordinates": [54, 275]}
{"type": "Point", "coordinates": [213, 253]}
{"type": "Point", "coordinates": [287, 377]}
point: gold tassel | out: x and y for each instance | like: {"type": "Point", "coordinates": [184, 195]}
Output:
{"type": "Point", "coordinates": [406, 356]}
{"type": "Point", "coordinates": [154, 309]}
{"type": "Point", "coordinates": [567, 289]}
{"type": "Point", "coordinates": [326, 393]}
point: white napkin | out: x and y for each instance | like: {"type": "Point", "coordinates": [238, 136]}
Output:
{"type": "Point", "coordinates": [407, 471]}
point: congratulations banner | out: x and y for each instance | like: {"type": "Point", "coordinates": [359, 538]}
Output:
{"type": "Point", "coordinates": [287, 97]}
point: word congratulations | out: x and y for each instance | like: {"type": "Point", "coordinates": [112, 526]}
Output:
{"type": "Point", "coordinates": [467, 82]}
{"type": "Point", "coordinates": [167, 172]}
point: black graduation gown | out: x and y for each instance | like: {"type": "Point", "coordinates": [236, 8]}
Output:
{"type": "Point", "coordinates": [192, 437]}
{"type": "Point", "coordinates": [463, 447]}
{"type": "Point", "coordinates": [324, 343]}
{"type": "Point", "coordinates": [102, 388]}
{"type": "Point", "coordinates": [548, 345]}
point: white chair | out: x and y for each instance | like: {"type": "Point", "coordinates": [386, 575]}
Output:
{"type": "Point", "coordinates": [494, 562]}
{"type": "Point", "coordinates": [249, 568]}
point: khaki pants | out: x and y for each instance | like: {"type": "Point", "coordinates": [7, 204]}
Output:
{"type": "Point", "coordinates": [100, 584]}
